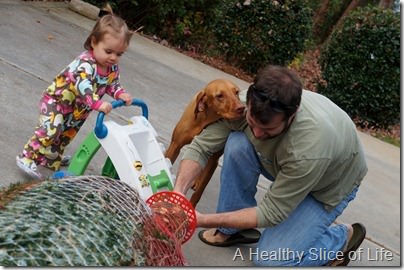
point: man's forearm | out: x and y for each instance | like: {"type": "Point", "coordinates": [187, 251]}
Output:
{"type": "Point", "coordinates": [187, 172]}
{"type": "Point", "coordinates": [241, 219]}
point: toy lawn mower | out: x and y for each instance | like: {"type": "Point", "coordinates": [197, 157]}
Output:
{"type": "Point", "coordinates": [134, 154]}
{"type": "Point", "coordinates": [136, 158]}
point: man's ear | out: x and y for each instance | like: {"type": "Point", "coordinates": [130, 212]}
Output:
{"type": "Point", "coordinates": [292, 117]}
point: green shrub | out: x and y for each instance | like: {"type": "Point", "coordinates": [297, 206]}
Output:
{"type": "Point", "coordinates": [256, 33]}
{"type": "Point", "coordinates": [361, 67]}
{"type": "Point", "coordinates": [182, 22]}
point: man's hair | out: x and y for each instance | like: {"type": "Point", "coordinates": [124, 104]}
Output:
{"type": "Point", "coordinates": [275, 90]}
{"type": "Point", "coordinates": [108, 23]}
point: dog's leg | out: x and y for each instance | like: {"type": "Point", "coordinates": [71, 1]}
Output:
{"type": "Point", "coordinates": [183, 133]}
{"type": "Point", "coordinates": [202, 181]}
{"type": "Point", "coordinates": [179, 138]}
{"type": "Point", "coordinates": [172, 151]}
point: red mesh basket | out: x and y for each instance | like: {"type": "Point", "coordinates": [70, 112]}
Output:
{"type": "Point", "coordinates": [175, 212]}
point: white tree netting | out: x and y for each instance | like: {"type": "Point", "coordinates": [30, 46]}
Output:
{"type": "Point", "coordinates": [86, 221]}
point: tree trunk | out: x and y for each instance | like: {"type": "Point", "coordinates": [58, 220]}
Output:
{"type": "Point", "coordinates": [319, 19]}
{"type": "Point", "coordinates": [321, 12]}
{"type": "Point", "coordinates": [386, 4]}
{"type": "Point", "coordinates": [351, 6]}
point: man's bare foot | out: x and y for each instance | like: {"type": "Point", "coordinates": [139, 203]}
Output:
{"type": "Point", "coordinates": [215, 236]}
{"type": "Point", "coordinates": [350, 234]}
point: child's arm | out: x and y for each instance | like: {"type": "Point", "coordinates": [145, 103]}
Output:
{"type": "Point", "coordinates": [83, 72]}
{"type": "Point", "coordinates": [116, 91]}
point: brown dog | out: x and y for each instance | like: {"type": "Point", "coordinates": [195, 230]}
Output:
{"type": "Point", "coordinates": [219, 99]}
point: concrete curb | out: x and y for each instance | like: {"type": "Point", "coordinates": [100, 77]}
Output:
{"type": "Point", "coordinates": [85, 9]}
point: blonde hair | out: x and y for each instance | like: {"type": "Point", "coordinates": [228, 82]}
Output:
{"type": "Point", "coordinates": [108, 23]}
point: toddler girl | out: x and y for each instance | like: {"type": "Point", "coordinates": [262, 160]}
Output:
{"type": "Point", "coordinates": [75, 92]}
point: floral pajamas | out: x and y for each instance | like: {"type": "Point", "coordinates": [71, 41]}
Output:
{"type": "Point", "coordinates": [65, 106]}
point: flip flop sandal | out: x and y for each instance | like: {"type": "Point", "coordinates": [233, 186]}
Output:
{"type": "Point", "coordinates": [359, 233]}
{"type": "Point", "coordinates": [247, 236]}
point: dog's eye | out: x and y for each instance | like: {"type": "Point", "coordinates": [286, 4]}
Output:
{"type": "Point", "coordinates": [219, 96]}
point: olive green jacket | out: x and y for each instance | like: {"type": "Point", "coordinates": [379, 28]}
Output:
{"type": "Point", "coordinates": [320, 154]}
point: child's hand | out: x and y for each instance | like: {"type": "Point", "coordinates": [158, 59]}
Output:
{"type": "Point", "coordinates": [105, 107]}
{"type": "Point", "coordinates": [126, 97]}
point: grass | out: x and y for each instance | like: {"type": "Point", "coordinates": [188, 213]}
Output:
{"type": "Point", "coordinates": [388, 139]}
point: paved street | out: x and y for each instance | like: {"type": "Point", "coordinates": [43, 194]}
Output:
{"type": "Point", "coordinates": [38, 39]}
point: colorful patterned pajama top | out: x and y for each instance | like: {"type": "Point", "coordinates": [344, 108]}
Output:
{"type": "Point", "coordinates": [66, 104]}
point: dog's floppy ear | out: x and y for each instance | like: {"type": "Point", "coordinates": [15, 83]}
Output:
{"type": "Point", "coordinates": [200, 103]}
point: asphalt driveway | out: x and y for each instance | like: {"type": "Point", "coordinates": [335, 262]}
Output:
{"type": "Point", "coordinates": [38, 39]}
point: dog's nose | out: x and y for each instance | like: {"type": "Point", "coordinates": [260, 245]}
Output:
{"type": "Point", "coordinates": [240, 109]}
